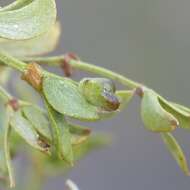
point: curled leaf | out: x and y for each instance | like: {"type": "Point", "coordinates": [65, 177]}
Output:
{"type": "Point", "coordinates": [36, 46]}
{"type": "Point", "coordinates": [176, 151]}
{"type": "Point", "coordinates": [154, 116]}
{"type": "Point", "coordinates": [27, 20]}
{"type": "Point", "coordinates": [61, 135]}
{"type": "Point", "coordinates": [180, 112]}
{"type": "Point", "coordinates": [25, 129]}
{"type": "Point", "coordinates": [100, 92]}
{"type": "Point", "coordinates": [38, 119]}
{"type": "Point", "coordinates": [65, 97]}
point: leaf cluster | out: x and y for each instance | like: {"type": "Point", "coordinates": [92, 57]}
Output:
{"type": "Point", "coordinates": [51, 129]}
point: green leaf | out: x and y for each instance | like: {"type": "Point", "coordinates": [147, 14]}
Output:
{"type": "Point", "coordinates": [94, 142]}
{"type": "Point", "coordinates": [3, 124]}
{"type": "Point", "coordinates": [79, 134]}
{"type": "Point", "coordinates": [7, 151]}
{"type": "Point", "coordinates": [25, 129]}
{"type": "Point", "coordinates": [4, 74]}
{"type": "Point", "coordinates": [176, 151]}
{"type": "Point", "coordinates": [100, 92]}
{"type": "Point", "coordinates": [65, 97]}
{"type": "Point", "coordinates": [3, 119]}
{"type": "Point", "coordinates": [38, 120]}
{"type": "Point", "coordinates": [154, 116]}
{"type": "Point", "coordinates": [27, 21]}
{"type": "Point", "coordinates": [61, 135]}
{"type": "Point", "coordinates": [36, 46]}
{"type": "Point", "coordinates": [180, 112]}
{"type": "Point", "coordinates": [54, 167]}
{"type": "Point", "coordinates": [124, 97]}
{"type": "Point", "coordinates": [5, 160]}
{"type": "Point", "coordinates": [182, 108]}
{"type": "Point", "coordinates": [3, 168]}
{"type": "Point", "coordinates": [16, 5]}
{"type": "Point", "coordinates": [79, 130]}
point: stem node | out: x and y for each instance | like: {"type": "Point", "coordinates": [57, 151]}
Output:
{"type": "Point", "coordinates": [14, 104]}
{"type": "Point", "coordinates": [65, 64]}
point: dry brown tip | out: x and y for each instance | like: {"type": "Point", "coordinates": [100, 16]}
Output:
{"type": "Point", "coordinates": [174, 124]}
{"type": "Point", "coordinates": [87, 131]}
{"type": "Point", "coordinates": [33, 75]}
{"type": "Point", "coordinates": [44, 145]}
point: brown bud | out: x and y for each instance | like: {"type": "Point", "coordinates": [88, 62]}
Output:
{"type": "Point", "coordinates": [67, 68]}
{"type": "Point", "coordinates": [14, 104]}
{"type": "Point", "coordinates": [139, 91]}
{"type": "Point", "coordinates": [33, 75]}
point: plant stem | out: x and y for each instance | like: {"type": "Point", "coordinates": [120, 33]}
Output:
{"type": "Point", "coordinates": [21, 66]}
{"type": "Point", "coordinates": [55, 61]}
{"type": "Point", "coordinates": [12, 62]}
{"type": "Point", "coordinates": [4, 94]}
{"type": "Point", "coordinates": [7, 97]}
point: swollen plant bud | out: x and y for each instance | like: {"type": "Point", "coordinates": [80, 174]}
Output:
{"type": "Point", "coordinates": [154, 116]}
{"type": "Point", "coordinates": [100, 92]}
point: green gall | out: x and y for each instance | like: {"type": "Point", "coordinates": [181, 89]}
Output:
{"type": "Point", "coordinates": [100, 92]}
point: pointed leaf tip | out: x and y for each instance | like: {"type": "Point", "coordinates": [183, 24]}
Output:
{"type": "Point", "coordinates": [79, 134]}
{"type": "Point", "coordinates": [124, 97]}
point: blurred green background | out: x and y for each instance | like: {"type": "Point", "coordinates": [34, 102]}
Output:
{"type": "Point", "coordinates": [146, 40]}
